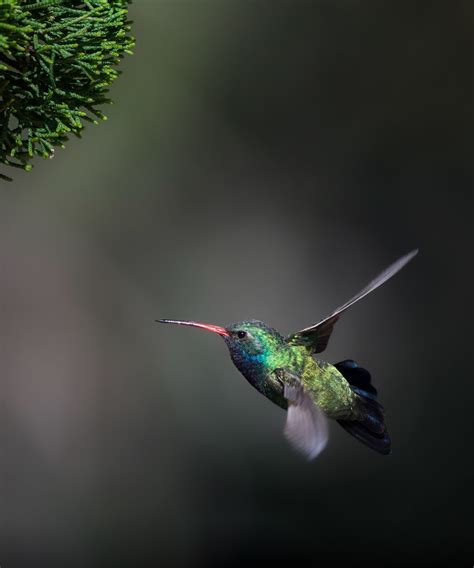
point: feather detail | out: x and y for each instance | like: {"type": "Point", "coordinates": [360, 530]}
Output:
{"type": "Point", "coordinates": [306, 425]}
{"type": "Point", "coordinates": [316, 337]}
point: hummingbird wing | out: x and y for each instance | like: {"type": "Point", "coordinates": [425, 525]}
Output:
{"type": "Point", "coordinates": [316, 337]}
{"type": "Point", "coordinates": [306, 425]}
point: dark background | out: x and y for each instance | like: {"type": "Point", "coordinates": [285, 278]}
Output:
{"type": "Point", "coordinates": [263, 159]}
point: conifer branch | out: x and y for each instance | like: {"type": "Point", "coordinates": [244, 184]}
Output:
{"type": "Point", "coordinates": [57, 61]}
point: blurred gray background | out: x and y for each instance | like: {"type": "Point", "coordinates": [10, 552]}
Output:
{"type": "Point", "coordinates": [263, 159]}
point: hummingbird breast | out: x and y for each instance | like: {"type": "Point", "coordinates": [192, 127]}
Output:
{"type": "Point", "coordinates": [258, 369]}
{"type": "Point", "coordinates": [328, 388]}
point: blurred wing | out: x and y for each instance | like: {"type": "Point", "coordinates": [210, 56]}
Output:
{"type": "Point", "coordinates": [306, 425]}
{"type": "Point", "coordinates": [316, 337]}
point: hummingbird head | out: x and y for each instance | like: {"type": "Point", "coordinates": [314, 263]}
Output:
{"type": "Point", "coordinates": [251, 344]}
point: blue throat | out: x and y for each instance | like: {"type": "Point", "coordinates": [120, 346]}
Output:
{"type": "Point", "coordinates": [254, 367]}
{"type": "Point", "coordinates": [256, 358]}
{"type": "Point", "coordinates": [251, 366]}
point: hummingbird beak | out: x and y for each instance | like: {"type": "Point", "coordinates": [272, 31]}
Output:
{"type": "Point", "coordinates": [209, 326]}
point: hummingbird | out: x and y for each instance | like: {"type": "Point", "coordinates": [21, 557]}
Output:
{"type": "Point", "coordinates": [285, 369]}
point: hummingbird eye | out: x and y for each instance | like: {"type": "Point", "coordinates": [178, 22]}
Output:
{"type": "Point", "coordinates": [241, 334]}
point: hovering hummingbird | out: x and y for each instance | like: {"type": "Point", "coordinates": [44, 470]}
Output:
{"type": "Point", "coordinates": [285, 370]}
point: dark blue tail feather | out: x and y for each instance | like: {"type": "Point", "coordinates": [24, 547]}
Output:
{"type": "Point", "coordinates": [357, 377]}
{"type": "Point", "coordinates": [370, 429]}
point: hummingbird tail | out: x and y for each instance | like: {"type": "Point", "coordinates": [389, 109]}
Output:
{"type": "Point", "coordinates": [370, 429]}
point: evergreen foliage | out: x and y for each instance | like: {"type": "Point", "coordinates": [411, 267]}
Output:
{"type": "Point", "coordinates": [57, 61]}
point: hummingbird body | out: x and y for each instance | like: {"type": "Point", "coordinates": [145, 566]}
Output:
{"type": "Point", "coordinates": [269, 352]}
{"type": "Point", "coordinates": [286, 371]}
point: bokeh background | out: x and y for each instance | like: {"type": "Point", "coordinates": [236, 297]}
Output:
{"type": "Point", "coordinates": [263, 159]}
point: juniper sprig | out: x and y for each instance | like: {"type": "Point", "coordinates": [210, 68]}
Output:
{"type": "Point", "coordinates": [57, 61]}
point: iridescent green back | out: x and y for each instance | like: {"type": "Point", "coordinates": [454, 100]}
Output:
{"type": "Point", "coordinates": [263, 350]}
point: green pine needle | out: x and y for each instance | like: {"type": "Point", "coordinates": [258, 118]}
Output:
{"type": "Point", "coordinates": [57, 61]}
